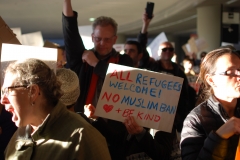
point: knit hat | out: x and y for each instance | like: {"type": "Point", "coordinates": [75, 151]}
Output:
{"type": "Point", "coordinates": [70, 85]}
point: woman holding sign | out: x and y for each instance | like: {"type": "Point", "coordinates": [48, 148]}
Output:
{"type": "Point", "coordinates": [46, 129]}
{"type": "Point", "coordinates": [211, 130]}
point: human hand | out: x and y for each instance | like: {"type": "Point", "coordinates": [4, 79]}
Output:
{"type": "Point", "coordinates": [145, 19]}
{"type": "Point", "coordinates": [90, 58]}
{"type": "Point", "coordinates": [231, 127]}
{"type": "Point", "coordinates": [89, 111]}
{"type": "Point", "coordinates": [132, 127]}
{"type": "Point", "coordinates": [146, 22]}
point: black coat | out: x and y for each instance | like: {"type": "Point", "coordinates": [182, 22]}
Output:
{"type": "Point", "coordinates": [198, 137]}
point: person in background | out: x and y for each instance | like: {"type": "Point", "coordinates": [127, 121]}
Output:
{"type": "Point", "coordinates": [202, 55]}
{"type": "Point", "coordinates": [7, 129]}
{"type": "Point", "coordinates": [166, 66]}
{"type": "Point", "coordinates": [146, 62]}
{"type": "Point", "coordinates": [167, 144]}
{"type": "Point", "coordinates": [211, 130]}
{"type": "Point", "coordinates": [188, 66]}
{"type": "Point", "coordinates": [91, 67]}
{"type": "Point", "coordinates": [70, 87]}
{"type": "Point", "coordinates": [134, 50]}
{"type": "Point", "coordinates": [46, 129]}
{"type": "Point", "coordinates": [71, 90]}
{"type": "Point", "coordinates": [192, 78]}
{"type": "Point", "coordinates": [139, 142]}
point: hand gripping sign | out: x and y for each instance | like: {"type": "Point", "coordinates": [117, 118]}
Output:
{"type": "Point", "coordinates": [150, 97]}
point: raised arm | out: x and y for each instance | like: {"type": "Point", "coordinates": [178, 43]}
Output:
{"type": "Point", "coordinates": [142, 39]}
{"type": "Point", "coordinates": [67, 8]}
{"type": "Point", "coordinates": [146, 22]}
{"type": "Point", "coordinates": [73, 43]}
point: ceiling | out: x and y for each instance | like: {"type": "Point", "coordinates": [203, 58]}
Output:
{"type": "Point", "coordinates": [170, 16]}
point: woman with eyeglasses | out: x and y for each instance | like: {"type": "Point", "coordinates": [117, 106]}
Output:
{"type": "Point", "coordinates": [211, 130]}
{"type": "Point", "coordinates": [46, 129]}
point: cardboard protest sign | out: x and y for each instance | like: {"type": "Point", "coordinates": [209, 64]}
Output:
{"type": "Point", "coordinates": [154, 45]}
{"type": "Point", "coordinates": [193, 45]}
{"type": "Point", "coordinates": [11, 52]}
{"type": "Point", "coordinates": [186, 49]}
{"type": "Point", "coordinates": [61, 58]}
{"type": "Point", "coordinates": [18, 33]}
{"type": "Point", "coordinates": [33, 39]}
{"type": "Point", "coordinates": [6, 34]}
{"type": "Point", "coordinates": [49, 44]}
{"type": "Point", "coordinates": [201, 44]}
{"type": "Point", "coordinates": [150, 97]}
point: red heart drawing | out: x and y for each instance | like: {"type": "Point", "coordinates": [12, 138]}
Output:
{"type": "Point", "coordinates": [107, 108]}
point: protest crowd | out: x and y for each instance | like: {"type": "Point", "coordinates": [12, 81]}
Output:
{"type": "Point", "coordinates": [48, 115]}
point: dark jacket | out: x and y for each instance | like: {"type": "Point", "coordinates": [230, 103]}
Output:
{"type": "Point", "coordinates": [114, 131]}
{"type": "Point", "coordinates": [198, 137]}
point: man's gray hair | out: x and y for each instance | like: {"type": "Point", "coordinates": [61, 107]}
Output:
{"type": "Point", "coordinates": [105, 21]}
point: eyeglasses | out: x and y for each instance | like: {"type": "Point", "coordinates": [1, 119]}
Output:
{"type": "Point", "coordinates": [169, 49]}
{"type": "Point", "coordinates": [106, 40]}
{"type": "Point", "coordinates": [5, 91]}
{"type": "Point", "coordinates": [231, 72]}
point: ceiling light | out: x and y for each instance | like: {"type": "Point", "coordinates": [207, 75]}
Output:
{"type": "Point", "coordinates": [91, 19]}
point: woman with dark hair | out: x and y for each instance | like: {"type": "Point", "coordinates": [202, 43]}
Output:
{"type": "Point", "coordinates": [46, 129]}
{"type": "Point", "coordinates": [211, 130]}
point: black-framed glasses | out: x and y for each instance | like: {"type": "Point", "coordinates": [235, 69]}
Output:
{"type": "Point", "coordinates": [168, 49]}
{"type": "Point", "coordinates": [106, 40]}
{"type": "Point", "coordinates": [5, 91]}
{"type": "Point", "coordinates": [230, 72]}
